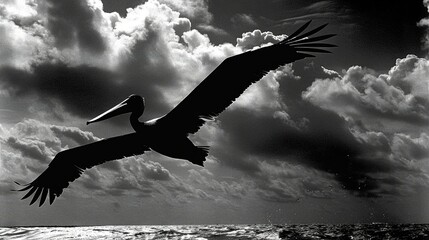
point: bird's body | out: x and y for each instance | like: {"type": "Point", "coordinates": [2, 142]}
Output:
{"type": "Point", "coordinates": [172, 144]}
{"type": "Point", "coordinates": [162, 138]}
{"type": "Point", "coordinates": [168, 134]}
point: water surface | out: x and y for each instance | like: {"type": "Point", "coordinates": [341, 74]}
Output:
{"type": "Point", "coordinates": [223, 232]}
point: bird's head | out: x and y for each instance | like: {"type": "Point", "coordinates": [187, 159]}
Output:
{"type": "Point", "coordinates": [134, 103]}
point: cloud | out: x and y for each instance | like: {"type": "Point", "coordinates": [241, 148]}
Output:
{"type": "Point", "coordinates": [288, 135]}
{"type": "Point", "coordinates": [320, 5]}
{"type": "Point", "coordinates": [31, 140]}
{"type": "Point", "coordinates": [279, 181]}
{"type": "Point", "coordinates": [18, 46]}
{"type": "Point", "coordinates": [181, 26]}
{"type": "Point", "coordinates": [407, 147]}
{"type": "Point", "coordinates": [195, 39]}
{"type": "Point", "coordinates": [231, 189]}
{"type": "Point", "coordinates": [139, 177]}
{"type": "Point", "coordinates": [314, 147]}
{"type": "Point", "coordinates": [52, 32]}
{"type": "Point", "coordinates": [356, 150]}
{"type": "Point", "coordinates": [243, 20]}
{"type": "Point", "coordinates": [264, 97]}
{"type": "Point", "coordinates": [73, 23]}
{"type": "Point", "coordinates": [401, 96]}
{"type": "Point", "coordinates": [376, 108]}
{"type": "Point", "coordinates": [74, 133]}
{"type": "Point", "coordinates": [194, 9]}
{"type": "Point", "coordinates": [212, 29]}
{"type": "Point", "coordinates": [31, 148]}
{"type": "Point", "coordinates": [310, 16]}
{"type": "Point", "coordinates": [425, 23]}
{"type": "Point", "coordinates": [148, 55]}
{"type": "Point", "coordinates": [140, 51]}
{"type": "Point", "coordinates": [261, 95]}
{"type": "Point", "coordinates": [249, 40]}
{"type": "Point", "coordinates": [156, 171]}
{"type": "Point", "coordinates": [141, 54]}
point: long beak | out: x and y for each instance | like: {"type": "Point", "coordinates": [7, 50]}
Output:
{"type": "Point", "coordinates": [121, 108]}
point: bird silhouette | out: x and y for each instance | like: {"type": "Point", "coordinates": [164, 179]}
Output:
{"type": "Point", "coordinates": [168, 134]}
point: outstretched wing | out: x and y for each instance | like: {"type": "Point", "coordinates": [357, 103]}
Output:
{"type": "Point", "coordinates": [235, 74]}
{"type": "Point", "coordinates": [68, 165]}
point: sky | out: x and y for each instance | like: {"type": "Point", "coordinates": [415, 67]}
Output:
{"type": "Point", "coordinates": [339, 138]}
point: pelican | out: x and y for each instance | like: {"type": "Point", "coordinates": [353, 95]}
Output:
{"type": "Point", "coordinates": [168, 134]}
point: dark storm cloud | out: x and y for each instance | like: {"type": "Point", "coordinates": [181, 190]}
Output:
{"type": "Point", "coordinates": [305, 133]}
{"type": "Point", "coordinates": [281, 181]}
{"type": "Point", "coordinates": [32, 148]}
{"type": "Point", "coordinates": [149, 70]}
{"type": "Point", "coordinates": [31, 140]}
{"type": "Point", "coordinates": [233, 189]}
{"type": "Point", "coordinates": [75, 134]}
{"type": "Point", "coordinates": [122, 184]}
{"type": "Point", "coordinates": [317, 189]}
{"type": "Point", "coordinates": [84, 86]}
{"type": "Point", "coordinates": [71, 22]}
{"type": "Point", "coordinates": [278, 194]}
{"type": "Point", "coordinates": [127, 177]}
{"type": "Point", "coordinates": [141, 178]}
{"type": "Point", "coordinates": [325, 142]}
{"type": "Point", "coordinates": [91, 185]}
{"type": "Point", "coordinates": [86, 91]}
{"type": "Point", "coordinates": [112, 166]}
{"type": "Point", "coordinates": [327, 145]}
{"type": "Point", "coordinates": [124, 187]}
{"type": "Point", "coordinates": [75, 87]}
{"type": "Point", "coordinates": [410, 148]}
{"type": "Point", "coordinates": [156, 171]}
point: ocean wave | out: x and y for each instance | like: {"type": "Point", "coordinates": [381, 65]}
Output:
{"type": "Point", "coordinates": [222, 232]}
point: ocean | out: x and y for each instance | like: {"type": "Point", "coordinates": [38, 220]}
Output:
{"type": "Point", "coordinates": [223, 232]}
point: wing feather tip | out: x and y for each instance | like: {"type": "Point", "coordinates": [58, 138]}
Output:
{"type": "Point", "coordinates": [24, 187]}
{"type": "Point", "coordinates": [44, 195]}
{"type": "Point", "coordinates": [297, 32]}
{"type": "Point", "coordinates": [51, 196]}
{"type": "Point", "coordinates": [29, 193]}
{"type": "Point", "coordinates": [36, 195]}
{"type": "Point", "coordinates": [297, 36]}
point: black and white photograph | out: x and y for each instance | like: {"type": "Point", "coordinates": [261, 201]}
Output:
{"type": "Point", "coordinates": [214, 119]}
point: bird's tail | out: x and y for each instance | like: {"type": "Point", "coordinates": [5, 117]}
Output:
{"type": "Point", "coordinates": [199, 155]}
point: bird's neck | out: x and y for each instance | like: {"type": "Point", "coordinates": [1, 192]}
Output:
{"type": "Point", "coordinates": [134, 119]}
